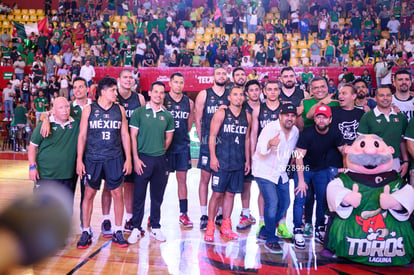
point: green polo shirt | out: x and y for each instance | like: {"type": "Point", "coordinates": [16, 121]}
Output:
{"type": "Point", "coordinates": [409, 135]}
{"type": "Point", "coordinates": [390, 128]}
{"type": "Point", "coordinates": [307, 105]}
{"type": "Point", "coordinates": [56, 156]}
{"type": "Point", "coordinates": [76, 110]}
{"type": "Point", "coordinates": [152, 127]}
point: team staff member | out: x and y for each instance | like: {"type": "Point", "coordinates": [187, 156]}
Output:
{"type": "Point", "coordinates": [389, 125]}
{"type": "Point", "coordinates": [178, 154]}
{"type": "Point", "coordinates": [270, 162]}
{"type": "Point", "coordinates": [76, 107]}
{"type": "Point", "coordinates": [402, 97]}
{"type": "Point", "coordinates": [229, 144]}
{"type": "Point", "coordinates": [52, 159]}
{"type": "Point", "coordinates": [206, 104]}
{"type": "Point", "coordinates": [152, 130]}
{"type": "Point", "coordinates": [102, 136]}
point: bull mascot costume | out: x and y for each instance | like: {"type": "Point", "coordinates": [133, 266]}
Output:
{"type": "Point", "coordinates": [371, 208]}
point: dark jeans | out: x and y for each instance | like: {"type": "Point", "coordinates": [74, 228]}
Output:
{"type": "Point", "coordinates": [319, 180]}
{"type": "Point", "coordinates": [277, 200]}
{"type": "Point", "coordinates": [156, 174]}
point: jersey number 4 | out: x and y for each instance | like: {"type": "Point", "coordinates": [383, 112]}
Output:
{"type": "Point", "coordinates": [236, 140]}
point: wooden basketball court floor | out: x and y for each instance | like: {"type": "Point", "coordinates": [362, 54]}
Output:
{"type": "Point", "coordinates": [185, 251]}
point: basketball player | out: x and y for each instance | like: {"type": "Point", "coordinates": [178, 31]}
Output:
{"type": "Point", "coordinates": [102, 136]}
{"type": "Point", "coordinates": [179, 156]}
{"type": "Point", "coordinates": [206, 104]}
{"type": "Point", "coordinates": [229, 145]}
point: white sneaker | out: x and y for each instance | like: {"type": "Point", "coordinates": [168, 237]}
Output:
{"type": "Point", "coordinates": [10, 119]}
{"type": "Point", "coordinates": [157, 234]}
{"type": "Point", "coordinates": [5, 119]}
{"type": "Point", "coordinates": [135, 236]}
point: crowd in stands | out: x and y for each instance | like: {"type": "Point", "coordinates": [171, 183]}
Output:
{"type": "Point", "coordinates": [85, 34]}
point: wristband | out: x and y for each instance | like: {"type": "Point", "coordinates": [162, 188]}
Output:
{"type": "Point", "coordinates": [32, 166]}
{"type": "Point", "coordinates": [404, 161]}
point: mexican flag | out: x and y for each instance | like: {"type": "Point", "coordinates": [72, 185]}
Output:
{"type": "Point", "coordinates": [25, 30]}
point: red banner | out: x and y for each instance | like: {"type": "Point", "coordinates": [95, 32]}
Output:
{"type": "Point", "coordinates": [197, 79]}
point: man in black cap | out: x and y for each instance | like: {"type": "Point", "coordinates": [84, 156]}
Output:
{"type": "Point", "coordinates": [270, 162]}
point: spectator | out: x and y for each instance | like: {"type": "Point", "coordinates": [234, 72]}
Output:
{"type": "Point", "coordinates": [246, 62]}
{"type": "Point", "coordinates": [315, 48]}
{"type": "Point", "coordinates": [18, 66]}
{"type": "Point", "coordinates": [87, 72]}
{"type": "Point", "coordinates": [8, 98]}
{"type": "Point", "coordinates": [40, 105]}
{"type": "Point", "coordinates": [393, 26]}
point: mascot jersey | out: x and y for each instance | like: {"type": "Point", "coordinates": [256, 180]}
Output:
{"type": "Point", "coordinates": [371, 235]}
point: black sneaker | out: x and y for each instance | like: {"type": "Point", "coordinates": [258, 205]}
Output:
{"type": "Point", "coordinates": [320, 234]}
{"type": "Point", "coordinates": [106, 229]}
{"type": "Point", "coordinates": [203, 222]}
{"type": "Point", "coordinates": [118, 239]}
{"type": "Point", "coordinates": [298, 239]}
{"type": "Point", "coordinates": [85, 240]}
{"type": "Point", "coordinates": [274, 248]}
{"type": "Point", "coordinates": [128, 226]}
{"type": "Point", "coordinates": [261, 238]}
{"type": "Point", "coordinates": [219, 220]}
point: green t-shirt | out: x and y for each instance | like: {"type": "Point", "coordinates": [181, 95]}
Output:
{"type": "Point", "coordinates": [29, 58]}
{"type": "Point", "coordinates": [115, 60]}
{"type": "Point", "coordinates": [391, 129]}
{"type": "Point", "coordinates": [152, 127]}
{"type": "Point", "coordinates": [162, 24]}
{"type": "Point", "coordinates": [357, 238]}
{"type": "Point", "coordinates": [128, 58]}
{"type": "Point", "coordinates": [334, 16]}
{"type": "Point", "coordinates": [329, 50]}
{"type": "Point", "coordinates": [19, 115]}
{"type": "Point", "coordinates": [40, 103]}
{"type": "Point", "coordinates": [307, 77]}
{"type": "Point", "coordinates": [307, 105]}
{"type": "Point", "coordinates": [56, 157]}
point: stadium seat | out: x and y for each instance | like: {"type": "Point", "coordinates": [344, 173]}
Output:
{"type": "Point", "coordinates": [117, 18]}
{"type": "Point", "coordinates": [218, 31]}
{"type": "Point", "coordinates": [17, 11]}
{"type": "Point", "coordinates": [251, 37]}
{"type": "Point", "coordinates": [274, 10]}
{"type": "Point", "coordinates": [25, 18]}
{"type": "Point", "coordinates": [198, 37]}
{"type": "Point", "coordinates": [190, 45]}
{"type": "Point", "coordinates": [6, 24]}
{"type": "Point", "coordinates": [124, 18]}
{"type": "Point", "coordinates": [294, 62]}
{"type": "Point", "coordinates": [303, 53]}
{"type": "Point", "coordinates": [341, 21]}
{"type": "Point", "coordinates": [293, 52]}
{"type": "Point", "coordinates": [33, 18]}
{"type": "Point", "coordinates": [25, 11]}
{"type": "Point", "coordinates": [305, 61]}
{"type": "Point", "coordinates": [323, 43]}
{"type": "Point", "coordinates": [40, 12]}
{"type": "Point", "coordinates": [2, 17]}
{"type": "Point", "coordinates": [208, 30]}
{"type": "Point", "coordinates": [289, 36]}
{"type": "Point", "coordinates": [32, 11]}
{"type": "Point", "coordinates": [10, 17]}
{"type": "Point", "coordinates": [302, 44]}
{"type": "Point", "coordinates": [18, 18]}
{"type": "Point", "coordinates": [243, 36]}
{"type": "Point", "coordinates": [269, 16]}
{"type": "Point", "coordinates": [385, 34]}
{"type": "Point", "coordinates": [296, 36]}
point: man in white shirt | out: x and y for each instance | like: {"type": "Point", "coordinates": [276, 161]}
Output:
{"type": "Point", "coordinates": [246, 62]}
{"type": "Point", "coordinates": [275, 145]}
{"type": "Point", "coordinates": [139, 52]}
{"type": "Point", "coordinates": [393, 26]}
{"type": "Point", "coordinates": [87, 72]}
